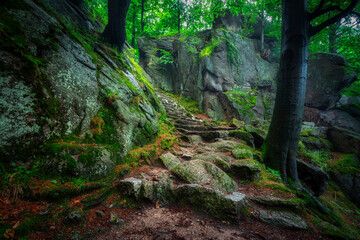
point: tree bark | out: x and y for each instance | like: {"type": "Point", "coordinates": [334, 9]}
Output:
{"type": "Point", "coordinates": [284, 133]}
{"type": "Point", "coordinates": [133, 26]}
{"type": "Point", "coordinates": [115, 31]}
{"type": "Point", "coordinates": [178, 17]}
{"type": "Point", "coordinates": [142, 15]}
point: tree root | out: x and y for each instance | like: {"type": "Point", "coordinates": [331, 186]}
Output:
{"type": "Point", "coordinates": [306, 193]}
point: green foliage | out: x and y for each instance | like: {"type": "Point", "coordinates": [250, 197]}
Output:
{"type": "Point", "coordinates": [189, 105]}
{"type": "Point", "coordinates": [214, 42]}
{"type": "Point", "coordinates": [246, 100]}
{"type": "Point", "coordinates": [166, 57]}
{"type": "Point", "coordinates": [98, 10]}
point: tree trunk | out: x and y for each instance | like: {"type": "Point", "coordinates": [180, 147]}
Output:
{"type": "Point", "coordinates": [179, 15]}
{"type": "Point", "coordinates": [115, 31]}
{"type": "Point", "coordinates": [282, 141]}
{"type": "Point", "coordinates": [142, 15]}
{"type": "Point", "coordinates": [133, 26]}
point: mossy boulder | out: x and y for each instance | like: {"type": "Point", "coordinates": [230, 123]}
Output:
{"type": "Point", "coordinates": [283, 219]}
{"type": "Point", "coordinates": [224, 145]}
{"type": "Point", "coordinates": [242, 153]}
{"type": "Point", "coordinates": [258, 134]}
{"type": "Point", "coordinates": [89, 162]}
{"type": "Point", "coordinates": [212, 202]}
{"type": "Point", "coordinates": [169, 160]}
{"type": "Point", "coordinates": [201, 172]}
{"type": "Point", "coordinates": [243, 135]}
{"type": "Point", "coordinates": [248, 169]}
{"type": "Point", "coordinates": [161, 190]}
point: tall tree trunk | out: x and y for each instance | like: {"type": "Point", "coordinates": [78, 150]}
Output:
{"type": "Point", "coordinates": [283, 137]}
{"type": "Point", "coordinates": [133, 25]}
{"type": "Point", "coordinates": [178, 17]}
{"type": "Point", "coordinates": [142, 15]}
{"type": "Point", "coordinates": [115, 31]}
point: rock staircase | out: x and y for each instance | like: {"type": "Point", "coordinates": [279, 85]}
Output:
{"type": "Point", "coordinates": [191, 126]}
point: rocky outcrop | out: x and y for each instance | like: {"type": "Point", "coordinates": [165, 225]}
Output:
{"type": "Point", "coordinates": [61, 87]}
{"type": "Point", "coordinates": [206, 66]}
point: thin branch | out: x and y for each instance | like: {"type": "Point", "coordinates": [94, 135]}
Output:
{"type": "Point", "coordinates": [334, 19]}
{"type": "Point", "coordinates": [324, 11]}
{"type": "Point", "coordinates": [318, 8]}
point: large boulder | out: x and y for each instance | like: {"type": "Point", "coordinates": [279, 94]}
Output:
{"type": "Point", "coordinates": [201, 172]}
{"type": "Point", "coordinates": [313, 177]}
{"type": "Point", "coordinates": [344, 140]}
{"type": "Point", "coordinates": [66, 91]}
{"type": "Point", "coordinates": [326, 79]}
{"type": "Point", "coordinates": [349, 183]}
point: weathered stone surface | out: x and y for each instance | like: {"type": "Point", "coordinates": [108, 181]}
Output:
{"type": "Point", "coordinates": [129, 187]}
{"type": "Point", "coordinates": [69, 93]}
{"type": "Point", "coordinates": [212, 201]}
{"type": "Point", "coordinates": [211, 76]}
{"type": "Point", "coordinates": [326, 79]}
{"type": "Point", "coordinates": [74, 217]}
{"type": "Point", "coordinates": [218, 158]}
{"type": "Point", "coordinates": [243, 135]}
{"type": "Point", "coordinates": [246, 169]}
{"type": "Point", "coordinates": [345, 140]}
{"type": "Point", "coordinates": [224, 145]}
{"type": "Point", "coordinates": [116, 220]}
{"type": "Point", "coordinates": [237, 123]}
{"type": "Point", "coordinates": [278, 202]}
{"type": "Point", "coordinates": [282, 219]}
{"type": "Point", "coordinates": [349, 104]}
{"type": "Point", "coordinates": [258, 134]}
{"type": "Point", "coordinates": [310, 129]}
{"type": "Point", "coordinates": [242, 153]}
{"type": "Point", "coordinates": [169, 160]}
{"type": "Point", "coordinates": [201, 172]}
{"type": "Point", "coordinates": [161, 190]}
{"type": "Point", "coordinates": [349, 184]}
{"type": "Point", "coordinates": [313, 177]}
{"type": "Point", "coordinates": [194, 138]}
{"type": "Point", "coordinates": [316, 143]}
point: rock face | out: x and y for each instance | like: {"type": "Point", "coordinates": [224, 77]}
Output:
{"type": "Point", "coordinates": [206, 66]}
{"type": "Point", "coordinates": [65, 88]}
{"type": "Point", "coordinates": [326, 79]}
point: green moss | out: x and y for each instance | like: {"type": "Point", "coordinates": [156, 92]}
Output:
{"type": "Point", "coordinates": [210, 47]}
{"type": "Point", "coordinates": [245, 100]}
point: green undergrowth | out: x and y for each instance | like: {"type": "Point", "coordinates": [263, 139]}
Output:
{"type": "Point", "coordinates": [333, 161]}
{"type": "Point", "coordinates": [190, 106]}
{"type": "Point", "coordinates": [245, 100]}
{"type": "Point", "coordinates": [343, 219]}
{"type": "Point", "coordinates": [148, 154]}
{"type": "Point", "coordinates": [209, 48]}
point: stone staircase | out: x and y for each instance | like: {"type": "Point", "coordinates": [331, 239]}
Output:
{"type": "Point", "coordinates": [190, 126]}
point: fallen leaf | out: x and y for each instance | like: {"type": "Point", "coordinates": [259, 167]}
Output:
{"type": "Point", "coordinates": [9, 233]}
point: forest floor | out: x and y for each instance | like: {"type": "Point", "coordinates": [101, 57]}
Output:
{"type": "Point", "coordinates": [116, 217]}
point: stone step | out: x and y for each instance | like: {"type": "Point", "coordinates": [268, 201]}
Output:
{"type": "Point", "coordinates": [206, 135]}
{"type": "Point", "coordinates": [201, 127]}
{"type": "Point", "coordinates": [189, 122]}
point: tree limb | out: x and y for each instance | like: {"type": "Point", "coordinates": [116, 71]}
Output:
{"type": "Point", "coordinates": [318, 8]}
{"type": "Point", "coordinates": [324, 11]}
{"type": "Point", "coordinates": [334, 19]}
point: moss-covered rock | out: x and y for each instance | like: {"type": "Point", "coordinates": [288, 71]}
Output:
{"type": "Point", "coordinates": [246, 169]}
{"type": "Point", "coordinates": [212, 202]}
{"type": "Point", "coordinates": [243, 135]}
{"type": "Point", "coordinates": [169, 160]}
{"type": "Point", "coordinates": [242, 153]}
{"type": "Point", "coordinates": [201, 172]}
